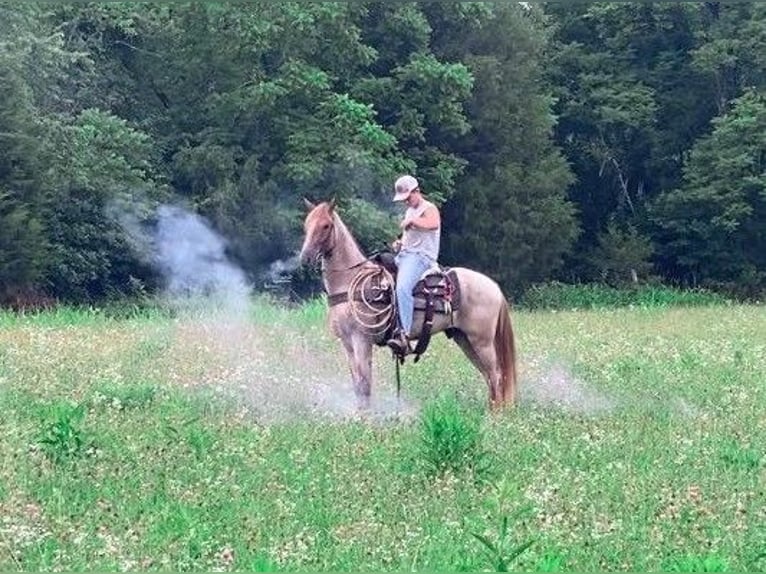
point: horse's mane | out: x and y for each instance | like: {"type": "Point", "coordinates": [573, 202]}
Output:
{"type": "Point", "coordinates": [344, 232]}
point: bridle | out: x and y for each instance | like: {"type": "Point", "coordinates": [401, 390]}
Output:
{"type": "Point", "coordinates": [326, 254]}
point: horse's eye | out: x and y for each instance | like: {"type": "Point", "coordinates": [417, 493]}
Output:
{"type": "Point", "coordinates": [325, 226]}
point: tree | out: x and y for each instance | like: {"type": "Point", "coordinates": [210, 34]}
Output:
{"type": "Point", "coordinates": [713, 224]}
{"type": "Point", "coordinates": [510, 217]}
{"type": "Point", "coordinates": [630, 104]}
{"type": "Point", "coordinates": [639, 84]}
{"type": "Point", "coordinates": [22, 236]}
{"type": "Point", "coordinates": [731, 50]}
{"type": "Point", "coordinates": [622, 256]}
{"type": "Point", "coordinates": [255, 105]}
{"type": "Point", "coordinates": [238, 110]}
{"type": "Point", "coordinates": [94, 162]}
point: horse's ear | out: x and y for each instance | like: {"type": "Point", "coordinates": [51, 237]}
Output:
{"type": "Point", "coordinates": [332, 204]}
{"type": "Point", "coordinates": [308, 204]}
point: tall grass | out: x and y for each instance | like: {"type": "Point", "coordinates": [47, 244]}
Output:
{"type": "Point", "coordinates": [595, 296]}
{"type": "Point", "coordinates": [64, 315]}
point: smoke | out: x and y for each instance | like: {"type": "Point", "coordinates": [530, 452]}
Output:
{"type": "Point", "coordinates": [280, 270]}
{"type": "Point", "coordinates": [189, 254]}
{"type": "Point", "coordinates": [554, 385]}
{"type": "Point", "coordinates": [193, 259]}
{"type": "Point", "coordinates": [551, 384]}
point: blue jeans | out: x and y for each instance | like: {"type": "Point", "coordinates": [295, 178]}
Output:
{"type": "Point", "coordinates": [411, 268]}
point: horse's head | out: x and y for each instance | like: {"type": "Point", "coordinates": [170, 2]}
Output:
{"type": "Point", "coordinates": [319, 227]}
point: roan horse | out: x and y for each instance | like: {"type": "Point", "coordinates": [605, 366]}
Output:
{"type": "Point", "coordinates": [481, 325]}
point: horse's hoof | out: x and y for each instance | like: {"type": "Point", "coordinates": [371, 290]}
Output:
{"type": "Point", "coordinates": [363, 406]}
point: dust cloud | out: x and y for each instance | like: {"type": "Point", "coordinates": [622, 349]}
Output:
{"type": "Point", "coordinates": [554, 385]}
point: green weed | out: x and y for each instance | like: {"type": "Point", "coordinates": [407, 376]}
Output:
{"type": "Point", "coordinates": [503, 550]}
{"type": "Point", "coordinates": [594, 296]}
{"type": "Point", "coordinates": [551, 562]}
{"type": "Point", "coordinates": [734, 455]}
{"type": "Point", "coordinates": [62, 437]}
{"type": "Point", "coordinates": [451, 437]}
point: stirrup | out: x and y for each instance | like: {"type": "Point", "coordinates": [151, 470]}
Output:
{"type": "Point", "coordinates": [399, 344]}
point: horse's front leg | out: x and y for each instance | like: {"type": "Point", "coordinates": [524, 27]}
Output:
{"type": "Point", "coordinates": [359, 354]}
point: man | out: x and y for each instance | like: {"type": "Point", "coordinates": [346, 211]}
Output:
{"type": "Point", "coordinates": [418, 250]}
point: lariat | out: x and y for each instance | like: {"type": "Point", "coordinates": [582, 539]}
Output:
{"type": "Point", "coordinates": [372, 298]}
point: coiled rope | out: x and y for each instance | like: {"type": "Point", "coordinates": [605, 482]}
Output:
{"type": "Point", "coordinates": [372, 303]}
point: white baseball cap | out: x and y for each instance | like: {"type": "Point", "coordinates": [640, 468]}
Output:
{"type": "Point", "coordinates": [404, 186]}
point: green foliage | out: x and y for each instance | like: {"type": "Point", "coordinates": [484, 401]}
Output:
{"type": "Point", "coordinates": [22, 256]}
{"type": "Point", "coordinates": [652, 79]}
{"type": "Point", "coordinates": [731, 56]}
{"type": "Point", "coordinates": [22, 238]}
{"type": "Point", "coordinates": [96, 162]}
{"type": "Point", "coordinates": [622, 256]}
{"type": "Point", "coordinates": [297, 112]}
{"type": "Point", "coordinates": [551, 562]}
{"type": "Point", "coordinates": [373, 228]}
{"type": "Point", "coordinates": [606, 115]}
{"type": "Point", "coordinates": [710, 563]}
{"type": "Point", "coordinates": [714, 222]}
{"type": "Point", "coordinates": [62, 437]}
{"type": "Point", "coordinates": [510, 217]}
{"type": "Point", "coordinates": [503, 550]}
{"type": "Point", "coordinates": [547, 132]}
{"type": "Point", "coordinates": [737, 456]}
{"type": "Point", "coordinates": [596, 296]}
{"type": "Point", "coordinates": [98, 152]}
{"type": "Point", "coordinates": [451, 437]}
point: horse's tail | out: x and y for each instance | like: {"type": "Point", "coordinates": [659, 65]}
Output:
{"type": "Point", "coordinates": [505, 349]}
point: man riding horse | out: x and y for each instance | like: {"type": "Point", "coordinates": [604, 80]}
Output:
{"type": "Point", "coordinates": [466, 305]}
{"type": "Point", "coordinates": [417, 251]}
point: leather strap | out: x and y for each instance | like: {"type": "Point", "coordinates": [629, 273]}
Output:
{"type": "Point", "coordinates": [337, 298]}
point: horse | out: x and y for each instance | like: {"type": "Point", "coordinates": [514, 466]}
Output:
{"type": "Point", "coordinates": [481, 326]}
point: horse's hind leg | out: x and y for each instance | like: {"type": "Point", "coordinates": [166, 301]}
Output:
{"type": "Point", "coordinates": [492, 371]}
{"type": "Point", "coordinates": [479, 362]}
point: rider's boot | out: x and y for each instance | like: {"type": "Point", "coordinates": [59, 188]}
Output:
{"type": "Point", "coordinates": [399, 343]}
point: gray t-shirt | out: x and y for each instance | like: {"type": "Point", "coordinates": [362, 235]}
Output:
{"type": "Point", "coordinates": [421, 241]}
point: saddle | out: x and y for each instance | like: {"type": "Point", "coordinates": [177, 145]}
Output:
{"type": "Point", "coordinates": [436, 293]}
{"type": "Point", "coordinates": [438, 288]}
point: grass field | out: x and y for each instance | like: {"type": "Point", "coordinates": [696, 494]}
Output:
{"type": "Point", "coordinates": [200, 443]}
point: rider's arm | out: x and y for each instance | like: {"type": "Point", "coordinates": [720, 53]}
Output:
{"type": "Point", "coordinates": [430, 219]}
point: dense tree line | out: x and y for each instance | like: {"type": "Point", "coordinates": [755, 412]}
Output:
{"type": "Point", "coordinates": [606, 142]}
